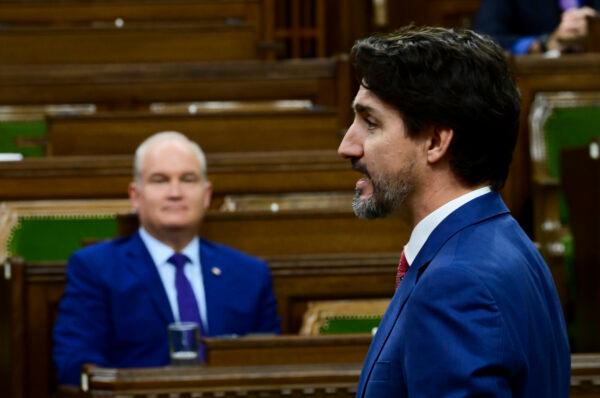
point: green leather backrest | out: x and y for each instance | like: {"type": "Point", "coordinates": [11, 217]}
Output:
{"type": "Point", "coordinates": [11, 130]}
{"type": "Point", "coordinates": [350, 324]}
{"type": "Point", "coordinates": [55, 238]}
{"type": "Point", "coordinates": [569, 128]}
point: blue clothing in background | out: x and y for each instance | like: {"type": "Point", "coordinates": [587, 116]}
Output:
{"type": "Point", "coordinates": [516, 24]}
{"type": "Point", "coordinates": [115, 312]}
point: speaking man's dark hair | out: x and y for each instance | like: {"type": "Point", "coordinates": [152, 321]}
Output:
{"type": "Point", "coordinates": [448, 78]}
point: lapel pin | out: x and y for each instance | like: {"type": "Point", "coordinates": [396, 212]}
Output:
{"type": "Point", "coordinates": [216, 271]}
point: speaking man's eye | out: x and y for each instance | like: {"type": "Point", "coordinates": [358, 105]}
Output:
{"type": "Point", "coordinates": [371, 124]}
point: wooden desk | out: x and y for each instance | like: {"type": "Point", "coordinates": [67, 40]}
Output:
{"type": "Point", "coordinates": [273, 128]}
{"type": "Point", "coordinates": [82, 12]}
{"type": "Point", "coordinates": [231, 173]}
{"type": "Point", "coordinates": [585, 376]}
{"type": "Point", "coordinates": [286, 349]}
{"type": "Point", "coordinates": [325, 81]}
{"type": "Point", "coordinates": [308, 380]}
{"type": "Point", "coordinates": [315, 380]}
{"type": "Point", "coordinates": [134, 42]}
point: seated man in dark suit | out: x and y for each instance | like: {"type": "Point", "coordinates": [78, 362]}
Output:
{"type": "Point", "coordinates": [535, 26]}
{"type": "Point", "coordinates": [121, 294]}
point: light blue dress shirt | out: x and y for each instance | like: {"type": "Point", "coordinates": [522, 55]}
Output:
{"type": "Point", "coordinates": [160, 253]}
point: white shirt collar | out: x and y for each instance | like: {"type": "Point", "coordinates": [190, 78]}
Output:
{"type": "Point", "coordinates": [425, 227]}
{"type": "Point", "coordinates": [160, 252]}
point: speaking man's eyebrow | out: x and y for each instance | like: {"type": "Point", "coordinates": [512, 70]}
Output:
{"type": "Point", "coordinates": [360, 108]}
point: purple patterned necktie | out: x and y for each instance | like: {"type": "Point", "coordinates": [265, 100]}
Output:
{"type": "Point", "coordinates": [568, 4]}
{"type": "Point", "coordinates": [186, 300]}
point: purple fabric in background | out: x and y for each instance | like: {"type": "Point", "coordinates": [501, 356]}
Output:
{"type": "Point", "coordinates": [568, 4]}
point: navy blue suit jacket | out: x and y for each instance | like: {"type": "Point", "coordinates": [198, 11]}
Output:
{"type": "Point", "coordinates": [510, 20]}
{"type": "Point", "coordinates": [115, 312]}
{"type": "Point", "coordinates": [477, 315]}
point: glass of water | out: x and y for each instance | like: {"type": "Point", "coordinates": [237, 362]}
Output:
{"type": "Point", "coordinates": [183, 343]}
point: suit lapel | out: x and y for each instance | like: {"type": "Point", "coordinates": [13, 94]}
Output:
{"type": "Point", "coordinates": [477, 210]}
{"type": "Point", "coordinates": [386, 326]}
{"type": "Point", "coordinates": [140, 263]}
{"type": "Point", "coordinates": [212, 286]}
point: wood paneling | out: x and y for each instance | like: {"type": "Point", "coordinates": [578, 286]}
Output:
{"type": "Point", "coordinates": [121, 133]}
{"type": "Point", "coordinates": [230, 173]}
{"type": "Point", "coordinates": [82, 12]}
{"type": "Point", "coordinates": [150, 43]}
{"type": "Point", "coordinates": [116, 86]}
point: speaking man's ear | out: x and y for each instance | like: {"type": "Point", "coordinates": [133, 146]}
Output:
{"type": "Point", "coordinates": [439, 143]}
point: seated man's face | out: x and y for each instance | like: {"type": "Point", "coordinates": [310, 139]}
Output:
{"type": "Point", "coordinates": [172, 195]}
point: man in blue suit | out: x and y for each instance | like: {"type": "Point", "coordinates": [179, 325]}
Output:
{"type": "Point", "coordinates": [476, 313]}
{"type": "Point", "coordinates": [535, 26]}
{"type": "Point", "coordinates": [121, 295]}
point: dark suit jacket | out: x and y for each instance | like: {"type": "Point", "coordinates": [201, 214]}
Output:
{"type": "Point", "coordinates": [477, 315]}
{"type": "Point", "coordinates": [115, 312]}
{"type": "Point", "coordinates": [510, 20]}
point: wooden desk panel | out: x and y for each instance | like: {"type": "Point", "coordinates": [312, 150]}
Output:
{"type": "Point", "coordinates": [152, 42]}
{"type": "Point", "coordinates": [309, 380]}
{"type": "Point", "coordinates": [234, 173]}
{"type": "Point", "coordinates": [314, 380]}
{"type": "Point", "coordinates": [120, 133]}
{"type": "Point", "coordinates": [286, 349]}
{"type": "Point", "coordinates": [80, 12]}
{"type": "Point", "coordinates": [267, 234]}
{"type": "Point", "coordinates": [325, 81]}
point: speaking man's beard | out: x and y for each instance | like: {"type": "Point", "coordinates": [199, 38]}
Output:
{"type": "Point", "coordinates": [389, 193]}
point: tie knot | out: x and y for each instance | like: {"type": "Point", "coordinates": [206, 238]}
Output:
{"type": "Point", "coordinates": [178, 260]}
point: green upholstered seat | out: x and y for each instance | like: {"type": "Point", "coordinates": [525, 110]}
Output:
{"type": "Point", "coordinates": [343, 316]}
{"type": "Point", "coordinates": [569, 128]}
{"type": "Point", "coordinates": [350, 324]}
{"type": "Point", "coordinates": [53, 238]}
{"type": "Point", "coordinates": [53, 230]}
{"type": "Point", "coordinates": [23, 136]}
{"type": "Point", "coordinates": [558, 121]}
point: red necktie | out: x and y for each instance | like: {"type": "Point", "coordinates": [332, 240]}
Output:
{"type": "Point", "coordinates": [402, 268]}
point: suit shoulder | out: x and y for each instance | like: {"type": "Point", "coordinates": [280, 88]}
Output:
{"type": "Point", "coordinates": [101, 249]}
{"type": "Point", "coordinates": [230, 253]}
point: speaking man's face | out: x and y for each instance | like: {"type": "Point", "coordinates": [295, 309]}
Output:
{"type": "Point", "coordinates": [378, 146]}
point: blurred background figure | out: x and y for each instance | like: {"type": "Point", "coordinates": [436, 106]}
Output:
{"type": "Point", "coordinates": [122, 294]}
{"type": "Point", "coordinates": [536, 26]}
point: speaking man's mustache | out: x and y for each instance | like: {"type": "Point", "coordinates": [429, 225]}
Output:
{"type": "Point", "coordinates": [357, 166]}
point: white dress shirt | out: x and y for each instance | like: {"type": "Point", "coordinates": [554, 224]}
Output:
{"type": "Point", "coordinates": [160, 253]}
{"type": "Point", "coordinates": [425, 227]}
